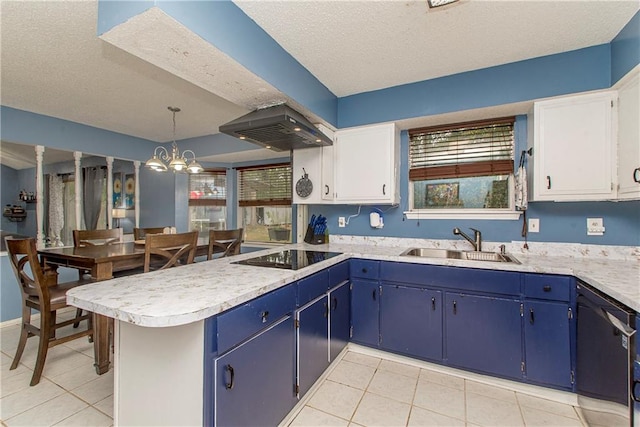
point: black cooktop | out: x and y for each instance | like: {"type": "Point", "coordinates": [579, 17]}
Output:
{"type": "Point", "coordinates": [290, 259]}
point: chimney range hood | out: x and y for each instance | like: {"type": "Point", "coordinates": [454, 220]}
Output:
{"type": "Point", "coordinates": [279, 128]}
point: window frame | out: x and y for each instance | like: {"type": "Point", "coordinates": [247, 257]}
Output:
{"type": "Point", "coordinates": [275, 202]}
{"type": "Point", "coordinates": [453, 170]}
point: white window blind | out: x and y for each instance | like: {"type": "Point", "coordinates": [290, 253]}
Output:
{"type": "Point", "coordinates": [265, 185]}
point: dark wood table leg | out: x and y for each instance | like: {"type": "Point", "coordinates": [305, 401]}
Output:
{"type": "Point", "coordinates": [101, 343]}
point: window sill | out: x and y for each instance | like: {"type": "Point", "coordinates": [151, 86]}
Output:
{"type": "Point", "coordinates": [461, 214]}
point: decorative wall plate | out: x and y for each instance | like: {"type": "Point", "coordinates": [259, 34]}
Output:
{"type": "Point", "coordinates": [304, 186]}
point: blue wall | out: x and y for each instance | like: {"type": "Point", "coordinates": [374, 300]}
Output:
{"type": "Point", "coordinates": [8, 195]}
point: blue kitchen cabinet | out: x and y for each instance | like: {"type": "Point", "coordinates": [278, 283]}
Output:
{"type": "Point", "coordinates": [253, 381]}
{"type": "Point", "coordinates": [312, 331]}
{"type": "Point", "coordinates": [635, 391]}
{"type": "Point", "coordinates": [411, 321]}
{"type": "Point", "coordinates": [549, 329]}
{"type": "Point", "coordinates": [547, 349]}
{"type": "Point", "coordinates": [365, 312]}
{"type": "Point", "coordinates": [484, 334]}
{"type": "Point", "coordinates": [339, 308]}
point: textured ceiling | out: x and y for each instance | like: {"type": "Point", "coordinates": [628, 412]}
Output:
{"type": "Point", "coordinates": [360, 46]}
{"type": "Point", "coordinates": [53, 63]}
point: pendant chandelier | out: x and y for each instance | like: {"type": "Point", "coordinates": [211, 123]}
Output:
{"type": "Point", "coordinates": [161, 161]}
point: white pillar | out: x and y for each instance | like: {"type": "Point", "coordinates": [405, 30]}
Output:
{"type": "Point", "coordinates": [77, 155]}
{"type": "Point", "coordinates": [39, 198]}
{"type": "Point", "coordinates": [136, 203]}
{"type": "Point", "coordinates": [109, 192]}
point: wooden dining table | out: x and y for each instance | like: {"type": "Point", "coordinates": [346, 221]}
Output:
{"type": "Point", "coordinates": [103, 261]}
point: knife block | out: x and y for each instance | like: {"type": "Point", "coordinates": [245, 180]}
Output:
{"type": "Point", "coordinates": [314, 239]}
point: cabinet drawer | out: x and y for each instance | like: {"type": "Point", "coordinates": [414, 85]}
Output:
{"type": "Point", "coordinates": [338, 274]}
{"type": "Point", "coordinates": [237, 324]}
{"type": "Point", "coordinates": [312, 287]}
{"type": "Point", "coordinates": [365, 269]}
{"type": "Point", "coordinates": [546, 286]}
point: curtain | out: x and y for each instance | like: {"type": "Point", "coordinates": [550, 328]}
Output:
{"type": "Point", "coordinates": [93, 183]}
{"type": "Point", "coordinates": [56, 209]}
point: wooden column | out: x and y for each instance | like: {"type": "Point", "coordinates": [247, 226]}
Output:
{"type": "Point", "coordinates": [39, 198]}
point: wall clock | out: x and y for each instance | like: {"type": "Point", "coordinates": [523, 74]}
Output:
{"type": "Point", "coordinates": [304, 186]}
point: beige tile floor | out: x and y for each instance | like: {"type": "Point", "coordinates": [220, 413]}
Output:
{"type": "Point", "coordinates": [360, 390]}
{"type": "Point", "coordinates": [363, 390]}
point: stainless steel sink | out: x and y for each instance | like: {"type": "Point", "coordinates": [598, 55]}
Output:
{"type": "Point", "coordinates": [465, 255]}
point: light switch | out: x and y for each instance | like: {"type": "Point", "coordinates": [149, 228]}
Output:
{"type": "Point", "coordinates": [534, 225]}
{"type": "Point", "coordinates": [595, 227]}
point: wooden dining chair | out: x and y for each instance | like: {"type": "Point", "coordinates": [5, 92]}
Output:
{"type": "Point", "coordinates": [226, 241]}
{"type": "Point", "coordinates": [41, 292]}
{"type": "Point", "coordinates": [97, 237]}
{"type": "Point", "coordinates": [169, 250]}
{"type": "Point", "coordinates": [140, 233]}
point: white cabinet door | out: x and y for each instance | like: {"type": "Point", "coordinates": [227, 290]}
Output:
{"type": "Point", "coordinates": [574, 150]}
{"type": "Point", "coordinates": [328, 183]}
{"type": "Point", "coordinates": [629, 137]}
{"type": "Point", "coordinates": [309, 160]}
{"type": "Point", "coordinates": [366, 165]}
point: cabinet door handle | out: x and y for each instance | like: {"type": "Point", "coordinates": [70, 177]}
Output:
{"type": "Point", "coordinates": [374, 294]}
{"type": "Point", "coordinates": [326, 190]}
{"type": "Point", "coordinates": [548, 182]}
{"type": "Point", "coordinates": [531, 317]}
{"type": "Point", "coordinates": [634, 391]}
{"type": "Point", "coordinates": [636, 175]}
{"type": "Point", "coordinates": [455, 307]}
{"type": "Point", "coordinates": [229, 385]}
{"type": "Point", "coordinates": [364, 270]}
{"type": "Point", "coordinates": [546, 288]}
{"type": "Point", "coordinates": [334, 303]}
{"type": "Point", "coordinates": [384, 188]}
{"type": "Point", "coordinates": [433, 303]}
{"type": "Point", "coordinates": [326, 309]}
{"type": "Point", "coordinates": [264, 316]}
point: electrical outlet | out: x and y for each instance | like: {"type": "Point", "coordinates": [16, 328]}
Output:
{"type": "Point", "coordinates": [342, 222]}
{"type": "Point", "coordinates": [595, 227]}
{"type": "Point", "coordinates": [534, 225]}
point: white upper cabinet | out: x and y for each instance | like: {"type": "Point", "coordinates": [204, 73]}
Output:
{"type": "Point", "coordinates": [629, 136]}
{"type": "Point", "coordinates": [317, 162]}
{"type": "Point", "coordinates": [307, 160]}
{"type": "Point", "coordinates": [574, 150]}
{"type": "Point", "coordinates": [366, 161]}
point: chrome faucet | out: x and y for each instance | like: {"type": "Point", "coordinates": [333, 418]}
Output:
{"type": "Point", "coordinates": [476, 241]}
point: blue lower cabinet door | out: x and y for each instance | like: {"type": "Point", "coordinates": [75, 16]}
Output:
{"type": "Point", "coordinates": [411, 321]}
{"type": "Point", "coordinates": [484, 334]}
{"type": "Point", "coordinates": [339, 305]}
{"type": "Point", "coordinates": [254, 381]}
{"type": "Point", "coordinates": [547, 343]}
{"type": "Point", "coordinates": [365, 311]}
{"type": "Point", "coordinates": [313, 343]}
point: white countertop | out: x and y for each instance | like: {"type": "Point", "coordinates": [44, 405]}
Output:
{"type": "Point", "coordinates": [195, 292]}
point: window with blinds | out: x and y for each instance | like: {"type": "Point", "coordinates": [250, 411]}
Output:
{"type": "Point", "coordinates": [208, 188]}
{"type": "Point", "coordinates": [265, 185]}
{"type": "Point", "coordinates": [462, 166]}
{"type": "Point", "coordinates": [208, 201]}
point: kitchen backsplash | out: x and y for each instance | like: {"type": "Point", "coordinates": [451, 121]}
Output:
{"type": "Point", "coordinates": [573, 250]}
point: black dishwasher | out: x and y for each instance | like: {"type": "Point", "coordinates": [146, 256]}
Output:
{"type": "Point", "coordinates": [604, 359]}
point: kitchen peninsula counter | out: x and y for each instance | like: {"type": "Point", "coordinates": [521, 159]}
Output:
{"type": "Point", "coordinates": [160, 336]}
{"type": "Point", "coordinates": [201, 290]}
